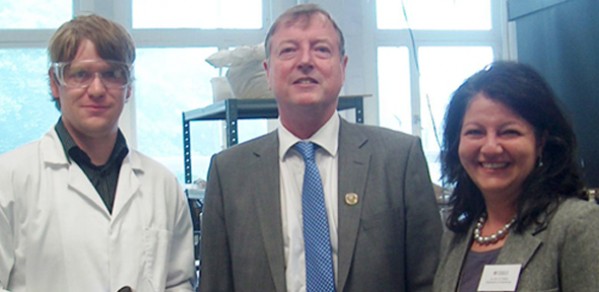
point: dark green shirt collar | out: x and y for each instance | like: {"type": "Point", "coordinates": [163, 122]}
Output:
{"type": "Point", "coordinates": [72, 150]}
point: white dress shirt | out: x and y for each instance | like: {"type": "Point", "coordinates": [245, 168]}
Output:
{"type": "Point", "coordinates": [291, 165]}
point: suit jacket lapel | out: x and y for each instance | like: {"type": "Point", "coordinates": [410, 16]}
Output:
{"type": "Point", "coordinates": [520, 247]}
{"type": "Point", "coordinates": [457, 248]}
{"type": "Point", "coordinates": [354, 159]}
{"type": "Point", "coordinates": [268, 205]}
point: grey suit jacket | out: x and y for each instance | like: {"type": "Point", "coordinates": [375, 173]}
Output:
{"type": "Point", "coordinates": [387, 242]}
{"type": "Point", "coordinates": [559, 255]}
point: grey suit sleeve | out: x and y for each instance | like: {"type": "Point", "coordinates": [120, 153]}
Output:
{"type": "Point", "coordinates": [579, 258]}
{"type": "Point", "coordinates": [423, 223]}
{"type": "Point", "coordinates": [215, 259]}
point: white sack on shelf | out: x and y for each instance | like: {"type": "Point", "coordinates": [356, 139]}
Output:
{"type": "Point", "coordinates": [246, 74]}
{"type": "Point", "coordinates": [221, 89]}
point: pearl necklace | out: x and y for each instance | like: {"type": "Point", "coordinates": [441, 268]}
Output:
{"type": "Point", "coordinates": [493, 238]}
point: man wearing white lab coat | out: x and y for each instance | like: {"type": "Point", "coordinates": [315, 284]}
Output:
{"type": "Point", "coordinates": [79, 211]}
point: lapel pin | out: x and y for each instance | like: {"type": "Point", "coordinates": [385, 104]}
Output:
{"type": "Point", "coordinates": [351, 198]}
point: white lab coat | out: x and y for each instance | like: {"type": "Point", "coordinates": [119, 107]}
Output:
{"type": "Point", "coordinates": [57, 235]}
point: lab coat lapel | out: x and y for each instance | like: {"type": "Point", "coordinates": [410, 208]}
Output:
{"type": "Point", "coordinates": [353, 163]}
{"type": "Point", "coordinates": [128, 183]}
{"type": "Point", "coordinates": [268, 205]}
{"type": "Point", "coordinates": [79, 182]}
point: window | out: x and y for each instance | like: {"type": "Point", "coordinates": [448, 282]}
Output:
{"type": "Point", "coordinates": [442, 70]}
{"type": "Point", "coordinates": [26, 109]}
{"type": "Point", "coordinates": [206, 14]}
{"type": "Point", "coordinates": [34, 14]}
{"type": "Point", "coordinates": [168, 82]}
{"type": "Point", "coordinates": [425, 50]}
{"type": "Point", "coordinates": [434, 14]}
{"type": "Point", "coordinates": [394, 88]}
{"type": "Point", "coordinates": [172, 75]}
{"type": "Point", "coordinates": [410, 54]}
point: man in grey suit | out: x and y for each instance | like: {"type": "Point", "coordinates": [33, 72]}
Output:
{"type": "Point", "coordinates": [382, 217]}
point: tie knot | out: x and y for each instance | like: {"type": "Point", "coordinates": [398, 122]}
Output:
{"type": "Point", "coordinates": [306, 149]}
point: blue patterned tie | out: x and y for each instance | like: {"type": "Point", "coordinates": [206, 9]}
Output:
{"type": "Point", "coordinates": [319, 263]}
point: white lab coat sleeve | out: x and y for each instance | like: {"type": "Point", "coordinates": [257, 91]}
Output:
{"type": "Point", "coordinates": [181, 272]}
{"type": "Point", "coordinates": [7, 248]}
{"type": "Point", "coordinates": [7, 257]}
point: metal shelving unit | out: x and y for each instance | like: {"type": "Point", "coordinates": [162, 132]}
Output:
{"type": "Point", "coordinates": [231, 110]}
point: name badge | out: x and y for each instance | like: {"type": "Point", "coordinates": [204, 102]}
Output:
{"type": "Point", "coordinates": [499, 278]}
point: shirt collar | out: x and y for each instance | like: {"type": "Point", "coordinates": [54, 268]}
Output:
{"type": "Point", "coordinates": [65, 138]}
{"type": "Point", "coordinates": [326, 137]}
{"type": "Point", "coordinates": [70, 147]}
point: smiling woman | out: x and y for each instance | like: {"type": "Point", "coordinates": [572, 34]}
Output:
{"type": "Point", "coordinates": [498, 148]}
{"type": "Point", "coordinates": [510, 153]}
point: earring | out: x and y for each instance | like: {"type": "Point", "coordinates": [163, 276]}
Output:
{"type": "Point", "coordinates": [540, 161]}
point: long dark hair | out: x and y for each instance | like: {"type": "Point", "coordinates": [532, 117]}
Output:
{"type": "Point", "coordinates": [524, 91]}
